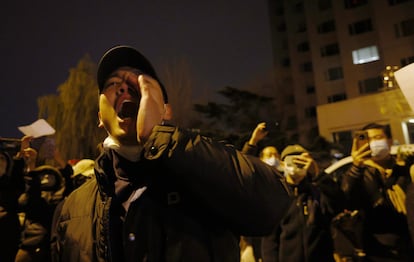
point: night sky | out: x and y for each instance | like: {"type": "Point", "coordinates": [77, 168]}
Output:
{"type": "Point", "coordinates": [226, 42]}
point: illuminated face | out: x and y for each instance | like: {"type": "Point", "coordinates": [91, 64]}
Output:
{"type": "Point", "coordinates": [270, 156]}
{"type": "Point", "coordinates": [269, 152]}
{"type": "Point", "coordinates": [379, 144]}
{"type": "Point", "coordinates": [376, 134]}
{"type": "Point", "coordinates": [118, 105]}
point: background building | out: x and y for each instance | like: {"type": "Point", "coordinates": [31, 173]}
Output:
{"type": "Point", "coordinates": [330, 59]}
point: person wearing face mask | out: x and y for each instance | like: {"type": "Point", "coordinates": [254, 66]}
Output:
{"type": "Point", "coordinates": [304, 232]}
{"type": "Point", "coordinates": [251, 246]}
{"type": "Point", "coordinates": [270, 156]}
{"type": "Point", "coordinates": [375, 186]}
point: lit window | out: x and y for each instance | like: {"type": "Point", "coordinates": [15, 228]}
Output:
{"type": "Point", "coordinates": [365, 55]}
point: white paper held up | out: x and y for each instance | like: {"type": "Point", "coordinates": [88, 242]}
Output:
{"type": "Point", "coordinates": [405, 79]}
{"type": "Point", "coordinates": [37, 129]}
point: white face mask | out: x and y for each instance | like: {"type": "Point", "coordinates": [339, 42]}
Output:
{"type": "Point", "coordinates": [272, 161]}
{"type": "Point", "coordinates": [379, 149]}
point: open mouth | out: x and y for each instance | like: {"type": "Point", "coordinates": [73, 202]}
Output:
{"type": "Point", "coordinates": [128, 109]}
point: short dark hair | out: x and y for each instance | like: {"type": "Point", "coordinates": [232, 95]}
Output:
{"type": "Point", "coordinates": [385, 128]}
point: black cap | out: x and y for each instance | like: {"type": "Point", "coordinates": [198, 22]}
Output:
{"type": "Point", "coordinates": [123, 55]}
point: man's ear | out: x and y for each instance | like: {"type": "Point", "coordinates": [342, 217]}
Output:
{"type": "Point", "coordinates": [168, 114]}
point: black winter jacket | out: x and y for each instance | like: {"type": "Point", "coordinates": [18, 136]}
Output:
{"type": "Point", "coordinates": [304, 233]}
{"type": "Point", "coordinates": [191, 199]}
{"type": "Point", "coordinates": [385, 233]}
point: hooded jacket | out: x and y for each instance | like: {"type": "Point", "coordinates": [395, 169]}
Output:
{"type": "Point", "coordinates": [184, 200]}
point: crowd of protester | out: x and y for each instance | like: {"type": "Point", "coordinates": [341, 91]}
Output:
{"type": "Point", "coordinates": [33, 184]}
{"type": "Point", "coordinates": [198, 206]}
{"type": "Point", "coordinates": [365, 216]}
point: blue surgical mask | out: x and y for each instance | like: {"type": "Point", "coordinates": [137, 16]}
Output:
{"type": "Point", "coordinates": [379, 148]}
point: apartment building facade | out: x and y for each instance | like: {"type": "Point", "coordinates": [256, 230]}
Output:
{"type": "Point", "coordinates": [330, 59]}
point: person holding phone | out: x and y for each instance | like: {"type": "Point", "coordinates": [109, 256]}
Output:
{"type": "Point", "coordinates": [375, 185]}
{"type": "Point", "coordinates": [304, 232]}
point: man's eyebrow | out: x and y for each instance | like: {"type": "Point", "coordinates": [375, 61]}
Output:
{"type": "Point", "coordinates": [114, 74]}
{"type": "Point", "coordinates": [130, 69]}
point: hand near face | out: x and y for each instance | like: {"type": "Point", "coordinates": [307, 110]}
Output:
{"type": "Point", "coordinates": [152, 110]}
{"type": "Point", "coordinates": [25, 142]}
{"type": "Point", "coordinates": [297, 167]}
{"type": "Point", "coordinates": [30, 155]}
{"type": "Point", "coordinates": [306, 162]}
{"type": "Point", "coordinates": [130, 105]}
{"type": "Point", "coordinates": [359, 155]}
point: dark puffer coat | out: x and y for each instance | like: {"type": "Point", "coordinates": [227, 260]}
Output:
{"type": "Point", "coordinates": [304, 234]}
{"type": "Point", "coordinates": [190, 199]}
